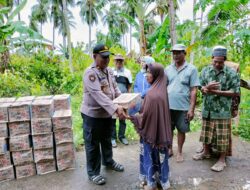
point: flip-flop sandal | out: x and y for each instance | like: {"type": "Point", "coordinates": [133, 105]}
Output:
{"type": "Point", "coordinates": [200, 149]}
{"type": "Point", "coordinates": [116, 167]}
{"type": "Point", "coordinates": [218, 167]}
{"type": "Point", "coordinates": [142, 184]}
{"type": "Point", "coordinates": [97, 179]}
{"type": "Point", "coordinates": [201, 156]}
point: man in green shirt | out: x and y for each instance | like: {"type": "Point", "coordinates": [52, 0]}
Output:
{"type": "Point", "coordinates": [219, 84]}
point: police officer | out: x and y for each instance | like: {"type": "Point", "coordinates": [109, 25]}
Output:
{"type": "Point", "coordinates": [100, 88]}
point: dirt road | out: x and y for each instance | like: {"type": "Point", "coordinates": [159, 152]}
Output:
{"type": "Point", "coordinates": [187, 175]}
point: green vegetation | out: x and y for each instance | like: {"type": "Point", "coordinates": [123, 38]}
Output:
{"type": "Point", "coordinates": [29, 65]}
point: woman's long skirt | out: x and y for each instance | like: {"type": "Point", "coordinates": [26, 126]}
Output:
{"type": "Point", "coordinates": [154, 166]}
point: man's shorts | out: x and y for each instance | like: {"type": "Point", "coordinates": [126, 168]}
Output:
{"type": "Point", "coordinates": [179, 121]}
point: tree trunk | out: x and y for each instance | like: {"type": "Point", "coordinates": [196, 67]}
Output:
{"type": "Point", "coordinates": [143, 45]}
{"type": "Point", "coordinates": [193, 34]}
{"type": "Point", "coordinates": [65, 46]}
{"type": "Point", "coordinates": [19, 14]}
{"type": "Point", "coordinates": [5, 58]}
{"type": "Point", "coordinates": [65, 12]}
{"type": "Point", "coordinates": [90, 20]}
{"type": "Point", "coordinates": [130, 37]}
{"type": "Point", "coordinates": [53, 43]}
{"type": "Point", "coordinates": [171, 11]}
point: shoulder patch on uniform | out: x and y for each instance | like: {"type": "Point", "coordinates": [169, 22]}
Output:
{"type": "Point", "coordinates": [92, 78]}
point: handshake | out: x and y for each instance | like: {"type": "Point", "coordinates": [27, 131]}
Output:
{"type": "Point", "coordinates": [121, 113]}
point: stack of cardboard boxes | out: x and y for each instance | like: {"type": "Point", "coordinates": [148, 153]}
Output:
{"type": "Point", "coordinates": [6, 168]}
{"type": "Point", "coordinates": [42, 136]}
{"type": "Point", "coordinates": [20, 142]}
{"type": "Point", "coordinates": [35, 136]}
{"type": "Point", "coordinates": [62, 128]}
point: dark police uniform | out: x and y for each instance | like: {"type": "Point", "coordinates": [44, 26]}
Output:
{"type": "Point", "coordinates": [100, 88]}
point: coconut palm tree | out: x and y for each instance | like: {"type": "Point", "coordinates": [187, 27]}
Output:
{"type": "Point", "coordinates": [89, 11]}
{"type": "Point", "coordinates": [40, 13]}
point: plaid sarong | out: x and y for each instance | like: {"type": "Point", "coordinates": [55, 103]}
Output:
{"type": "Point", "coordinates": [217, 132]}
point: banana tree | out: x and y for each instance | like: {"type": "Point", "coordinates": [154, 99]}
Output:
{"type": "Point", "coordinates": [7, 29]}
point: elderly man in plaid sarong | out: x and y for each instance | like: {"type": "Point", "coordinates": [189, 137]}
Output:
{"type": "Point", "coordinates": [219, 84]}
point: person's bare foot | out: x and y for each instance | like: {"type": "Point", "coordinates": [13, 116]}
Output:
{"type": "Point", "coordinates": [179, 158]}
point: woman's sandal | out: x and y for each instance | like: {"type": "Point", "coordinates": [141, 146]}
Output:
{"type": "Point", "coordinates": [97, 179]}
{"type": "Point", "coordinates": [117, 167]}
{"type": "Point", "coordinates": [218, 167]}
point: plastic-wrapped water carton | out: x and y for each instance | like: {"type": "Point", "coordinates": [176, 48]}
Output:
{"type": "Point", "coordinates": [41, 141]}
{"type": "Point", "coordinates": [62, 102]}
{"type": "Point", "coordinates": [22, 157]}
{"type": "Point", "coordinates": [42, 108]}
{"type": "Point", "coordinates": [21, 142]}
{"type": "Point", "coordinates": [19, 111]}
{"type": "Point", "coordinates": [39, 126]}
{"type": "Point", "coordinates": [7, 173]}
{"type": "Point", "coordinates": [19, 128]}
{"type": "Point", "coordinates": [41, 155]}
{"type": "Point", "coordinates": [3, 130]}
{"type": "Point", "coordinates": [62, 119]}
{"type": "Point", "coordinates": [25, 170]}
{"type": "Point", "coordinates": [131, 102]}
{"type": "Point", "coordinates": [46, 167]}
{"type": "Point", "coordinates": [63, 136]}
{"type": "Point", "coordinates": [5, 160]}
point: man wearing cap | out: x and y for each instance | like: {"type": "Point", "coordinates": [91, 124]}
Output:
{"type": "Point", "coordinates": [124, 81]}
{"type": "Point", "coordinates": [183, 81]}
{"type": "Point", "coordinates": [219, 84]}
{"type": "Point", "coordinates": [100, 88]}
{"type": "Point", "coordinates": [141, 85]}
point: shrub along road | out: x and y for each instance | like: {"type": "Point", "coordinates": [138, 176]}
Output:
{"type": "Point", "coordinates": [187, 175]}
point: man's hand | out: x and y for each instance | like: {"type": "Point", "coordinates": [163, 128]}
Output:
{"type": "Point", "coordinates": [120, 112]}
{"type": "Point", "coordinates": [213, 85]}
{"type": "Point", "coordinates": [204, 90]}
{"type": "Point", "coordinates": [190, 115]}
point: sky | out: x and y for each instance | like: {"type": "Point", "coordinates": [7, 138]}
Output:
{"type": "Point", "coordinates": [80, 32]}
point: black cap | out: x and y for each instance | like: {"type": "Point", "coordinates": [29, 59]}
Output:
{"type": "Point", "coordinates": [101, 49]}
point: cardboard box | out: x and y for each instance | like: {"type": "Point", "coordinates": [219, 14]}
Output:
{"type": "Point", "coordinates": [3, 146]}
{"type": "Point", "coordinates": [63, 136]}
{"type": "Point", "coordinates": [39, 126]}
{"type": "Point", "coordinates": [19, 111]}
{"type": "Point", "coordinates": [43, 154]}
{"type": "Point", "coordinates": [3, 130]}
{"type": "Point", "coordinates": [7, 173]}
{"type": "Point", "coordinates": [65, 156]}
{"type": "Point", "coordinates": [62, 102]}
{"type": "Point", "coordinates": [25, 99]}
{"type": "Point", "coordinates": [130, 101]}
{"type": "Point", "coordinates": [5, 160]}
{"type": "Point", "coordinates": [21, 142]}
{"type": "Point", "coordinates": [7, 100]}
{"type": "Point", "coordinates": [25, 170]}
{"type": "Point", "coordinates": [44, 97]}
{"type": "Point", "coordinates": [22, 157]}
{"type": "Point", "coordinates": [42, 109]}
{"type": "Point", "coordinates": [4, 112]}
{"type": "Point", "coordinates": [66, 163]}
{"type": "Point", "coordinates": [62, 119]}
{"type": "Point", "coordinates": [42, 141]}
{"type": "Point", "coordinates": [19, 128]}
{"type": "Point", "coordinates": [46, 167]}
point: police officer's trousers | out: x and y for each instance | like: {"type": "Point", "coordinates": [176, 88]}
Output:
{"type": "Point", "coordinates": [97, 136]}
